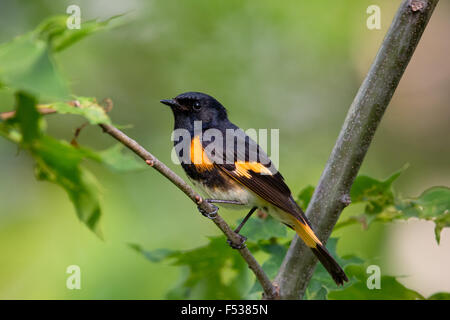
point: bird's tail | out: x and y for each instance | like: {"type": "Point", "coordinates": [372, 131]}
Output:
{"type": "Point", "coordinates": [305, 232]}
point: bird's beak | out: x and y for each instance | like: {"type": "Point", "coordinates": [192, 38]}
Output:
{"type": "Point", "coordinates": [169, 102]}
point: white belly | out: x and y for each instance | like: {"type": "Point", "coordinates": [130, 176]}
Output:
{"type": "Point", "coordinates": [247, 198]}
{"type": "Point", "coordinates": [240, 194]}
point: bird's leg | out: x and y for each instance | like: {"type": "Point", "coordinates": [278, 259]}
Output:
{"type": "Point", "coordinates": [224, 201]}
{"type": "Point", "coordinates": [243, 238]}
{"type": "Point", "coordinates": [245, 219]}
{"type": "Point", "coordinates": [212, 215]}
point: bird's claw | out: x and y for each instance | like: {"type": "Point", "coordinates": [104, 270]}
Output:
{"type": "Point", "coordinates": [241, 243]}
{"type": "Point", "coordinates": [209, 215]}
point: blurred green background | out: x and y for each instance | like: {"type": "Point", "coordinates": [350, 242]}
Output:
{"type": "Point", "coordinates": [292, 65]}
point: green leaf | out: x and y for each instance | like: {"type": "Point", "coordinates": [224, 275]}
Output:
{"type": "Point", "coordinates": [377, 194]}
{"type": "Point", "coordinates": [56, 161]}
{"type": "Point", "coordinates": [26, 64]}
{"type": "Point", "coordinates": [321, 282]}
{"type": "Point", "coordinates": [277, 253]}
{"type": "Point", "coordinates": [27, 117]}
{"type": "Point", "coordinates": [433, 205]}
{"type": "Point", "coordinates": [210, 272]}
{"type": "Point", "coordinates": [441, 223]}
{"type": "Point", "coordinates": [85, 107]}
{"type": "Point", "coordinates": [390, 289]}
{"type": "Point", "coordinates": [271, 266]}
{"type": "Point", "coordinates": [256, 229]}
{"type": "Point", "coordinates": [382, 205]}
{"type": "Point", "coordinates": [20, 54]}
{"type": "Point", "coordinates": [54, 30]}
{"type": "Point", "coordinates": [378, 197]}
{"type": "Point", "coordinates": [440, 296]}
{"type": "Point", "coordinates": [215, 271]}
{"type": "Point", "coordinates": [71, 36]}
{"type": "Point", "coordinates": [157, 255]}
{"type": "Point", "coordinates": [59, 162]}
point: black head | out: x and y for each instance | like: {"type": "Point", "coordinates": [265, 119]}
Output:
{"type": "Point", "coordinates": [195, 106]}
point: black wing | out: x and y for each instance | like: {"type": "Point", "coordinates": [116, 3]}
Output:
{"type": "Point", "coordinates": [251, 167]}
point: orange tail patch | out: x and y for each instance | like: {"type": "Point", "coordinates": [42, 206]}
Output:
{"type": "Point", "coordinates": [306, 234]}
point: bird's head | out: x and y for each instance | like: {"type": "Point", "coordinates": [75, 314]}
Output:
{"type": "Point", "coordinates": [195, 106]}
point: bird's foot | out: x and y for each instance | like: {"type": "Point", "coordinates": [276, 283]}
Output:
{"type": "Point", "coordinates": [239, 245]}
{"type": "Point", "coordinates": [209, 215]}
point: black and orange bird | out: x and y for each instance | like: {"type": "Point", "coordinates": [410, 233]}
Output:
{"type": "Point", "coordinates": [236, 171]}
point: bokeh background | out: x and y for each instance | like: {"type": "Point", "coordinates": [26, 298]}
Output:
{"type": "Point", "coordinates": [292, 65]}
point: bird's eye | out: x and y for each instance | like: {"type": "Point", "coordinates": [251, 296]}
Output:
{"type": "Point", "coordinates": [196, 106]}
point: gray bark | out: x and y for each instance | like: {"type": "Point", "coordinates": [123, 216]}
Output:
{"type": "Point", "coordinates": [364, 115]}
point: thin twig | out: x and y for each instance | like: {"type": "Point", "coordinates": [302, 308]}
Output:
{"type": "Point", "coordinates": [10, 114]}
{"type": "Point", "coordinates": [332, 192]}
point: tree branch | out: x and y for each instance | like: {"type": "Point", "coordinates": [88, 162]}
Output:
{"type": "Point", "coordinates": [269, 290]}
{"type": "Point", "coordinates": [332, 192]}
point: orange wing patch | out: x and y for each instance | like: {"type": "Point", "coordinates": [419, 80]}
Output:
{"type": "Point", "coordinates": [198, 156]}
{"type": "Point", "coordinates": [243, 168]}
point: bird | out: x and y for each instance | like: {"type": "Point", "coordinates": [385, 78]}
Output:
{"type": "Point", "coordinates": [231, 169]}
